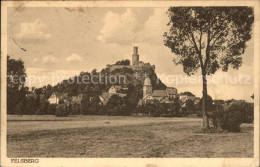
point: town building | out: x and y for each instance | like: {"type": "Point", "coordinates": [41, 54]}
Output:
{"type": "Point", "coordinates": [56, 97]}
{"type": "Point", "coordinates": [147, 88]}
{"type": "Point", "coordinates": [157, 96]}
{"type": "Point", "coordinates": [76, 100]}
{"type": "Point", "coordinates": [114, 89]}
{"type": "Point", "coordinates": [187, 95]}
{"type": "Point", "coordinates": [105, 96]}
{"type": "Point", "coordinates": [75, 103]}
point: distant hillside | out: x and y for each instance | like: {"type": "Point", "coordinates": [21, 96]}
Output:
{"type": "Point", "coordinates": [99, 85]}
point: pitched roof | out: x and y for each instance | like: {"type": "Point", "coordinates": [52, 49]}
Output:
{"type": "Point", "coordinates": [165, 100]}
{"type": "Point", "coordinates": [106, 94]}
{"type": "Point", "coordinates": [192, 98]}
{"type": "Point", "coordinates": [171, 91]}
{"type": "Point", "coordinates": [159, 98]}
{"type": "Point", "coordinates": [159, 93]}
{"type": "Point", "coordinates": [75, 100]}
{"type": "Point", "coordinates": [148, 97]}
{"type": "Point", "coordinates": [60, 95]}
{"type": "Point", "coordinates": [140, 102]}
{"type": "Point", "coordinates": [121, 94]}
{"type": "Point", "coordinates": [104, 97]}
{"type": "Point", "coordinates": [183, 99]}
{"type": "Point", "coordinates": [118, 87]}
{"type": "Point", "coordinates": [80, 96]}
{"type": "Point", "coordinates": [196, 100]}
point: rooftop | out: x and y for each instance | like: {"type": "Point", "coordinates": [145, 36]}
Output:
{"type": "Point", "coordinates": [159, 93]}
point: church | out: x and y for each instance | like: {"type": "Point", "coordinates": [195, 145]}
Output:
{"type": "Point", "coordinates": [157, 96]}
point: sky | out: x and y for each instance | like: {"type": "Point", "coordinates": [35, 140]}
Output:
{"type": "Point", "coordinates": [63, 42]}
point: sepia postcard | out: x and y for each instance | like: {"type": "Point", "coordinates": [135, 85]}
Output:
{"type": "Point", "coordinates": [130, 83]}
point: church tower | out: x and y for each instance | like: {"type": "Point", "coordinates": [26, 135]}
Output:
{"type": "Point", "coordinates": [135, 56]}
{"type": "Point", "coordinates": [147, 89]}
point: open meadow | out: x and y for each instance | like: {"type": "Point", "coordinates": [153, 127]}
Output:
{"type": "Point", "coordinates": [119, 136]}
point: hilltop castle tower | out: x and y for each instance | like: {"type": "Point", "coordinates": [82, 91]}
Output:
{"type": "Point", "coordinates": [147, 88]}
{"type": "Point", "coordinates": [135, 56]}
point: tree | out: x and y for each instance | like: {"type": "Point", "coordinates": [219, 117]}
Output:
{"type": "Point", "coordinates": [90, 104]}
{"type": "Point", "coordinates": [208, 38]}
{"type": "Point", "coordinates": [15, 73]}
{"type": "Point", "coordinates": [123, 62]}
{"type": "Point", "coordinates": [15, 85]}
{"type": "Point", "coordinates": [116, 105]}
{"type": "Point", "coordinates": [132, 98]}
{"type": "Point", "coordinates": [190, 106]}
{"type": "Point", "coordinates": [209, 102]}
{"type": "Point", "coordinates": [30, 105]}
{"type": "Point", "coordinates": [38, 91]}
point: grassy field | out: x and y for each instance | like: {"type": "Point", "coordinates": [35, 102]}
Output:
{"type": "Point", "coordinates": [102, 136]}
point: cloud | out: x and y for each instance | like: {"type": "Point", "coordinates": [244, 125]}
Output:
{"type": "Point", "coordinates": [48, 59]}
{"type": "Point", "coordinates": [74, 58]}
{"type": "Point", "coordinates": [125, 28]}
{"type": "Point", "coordinates": [33, 31]}
{"type": "Point", "coordinates": [118, 28]}
{"type": "Point", "coordinates": [155, 26]}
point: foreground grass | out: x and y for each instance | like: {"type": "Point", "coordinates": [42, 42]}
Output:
{"type": "Point", "coordinates": [157, 139]}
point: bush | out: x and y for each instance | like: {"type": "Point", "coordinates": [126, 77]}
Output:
{"type": "Point", "coordinates": [75, 109]}
{"type": "Point", "coordinates": [183, 112]}
{"type": "Point", "coordinates": [160, 109]}
{"type": "Point", "coordinates": [190, 109]}
{"type": "Point", "coordinates": [139, 109]}
{"type": "Point", "coordinates": [149, 109]}
{"type": "Point", "coordinates": [230, 117]}
{"type": "Point", "coordinates": [173, 109]}
{"type": "Point", "coordinates": [30, 106]}
{"type": "Point", "coordinates": [90, 105]}
{"type": "Point", "coordinates": [153, 110]}
{"type": "Point", "coordinates": [248, 113]}
{"type": "Point", "coordinates": [116, 106]}
{"type": "Point", "coordinates": [199, 113]}
{"type": "Point", "coordinates": [166, 115]}
{"type": "Point", "coordinates": [52, 109]}
{"type": "Point", "coordinates": [198, 107]}
{"type": "Point", "coordinates": [44, 105]}
{"type": "Point", "coordinates": [62, 110]}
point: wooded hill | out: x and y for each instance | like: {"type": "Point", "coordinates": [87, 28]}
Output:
{"type": "Point", "coordinates": [99, 84]}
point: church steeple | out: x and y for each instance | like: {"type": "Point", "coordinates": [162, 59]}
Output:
{"type": "Point", "coordinates": [147, 88]}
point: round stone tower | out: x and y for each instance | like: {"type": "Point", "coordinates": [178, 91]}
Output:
{"type": "Point", "coordinates": [147, 88]}
{"type": "Point", "coordinates": [135, 56]}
